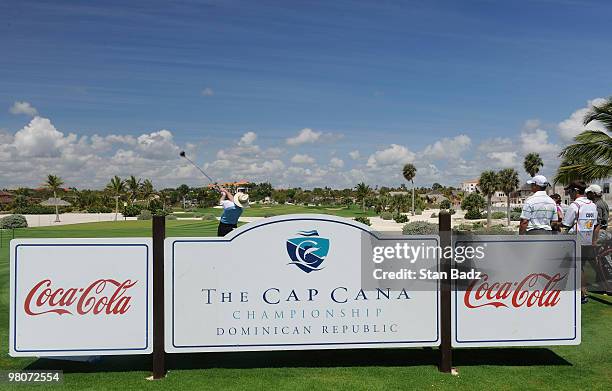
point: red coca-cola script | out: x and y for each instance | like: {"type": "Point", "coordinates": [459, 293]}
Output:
{"type": "Point", "coordinates": [536, 289]}
{"type": "Point", "coordinates": [103, 296]}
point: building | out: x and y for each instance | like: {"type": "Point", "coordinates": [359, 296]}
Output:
{"type": "Point", "coordinates": [605, 187]}
{"type": "Point", "coordinates": [469, 186]}
{"type": "Point", "coordinates": [6, 198]}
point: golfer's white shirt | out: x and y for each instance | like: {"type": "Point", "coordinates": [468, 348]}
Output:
{"type": "Point", "coordinates": [539, 210]}
{"type": "Point", "coordinates": [581, 216]}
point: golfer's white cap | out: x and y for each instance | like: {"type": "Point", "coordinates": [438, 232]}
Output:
{"type": "Point", "coordinates": [539, 180]}
{"type": "Point", "coordinates": [594, 189]}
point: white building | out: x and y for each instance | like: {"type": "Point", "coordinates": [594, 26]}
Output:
{"type": "Point", "coordinates": [469, 186]}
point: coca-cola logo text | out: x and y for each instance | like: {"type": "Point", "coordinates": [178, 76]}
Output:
{"type": "Point", "coordinates": [103, 296]}
{"type": "Point", "coordinates": [514, 294]}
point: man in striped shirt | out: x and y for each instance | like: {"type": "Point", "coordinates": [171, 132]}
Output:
{"type": "Point", "coordinates": [539, 210]}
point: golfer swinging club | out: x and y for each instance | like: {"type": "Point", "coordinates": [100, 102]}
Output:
{"type": "Point", "coordinates": [233, 206]}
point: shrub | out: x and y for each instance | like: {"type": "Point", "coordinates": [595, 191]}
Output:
{"type": "Point", "coordinates": [479, 229]}
{"type": "Point", "coordinates": [386, 215]}
{"type": "Point", "coordinates": [132, 210]}
{"type": "Point", "coordinates": [363, 220]}
{"type": "Point", "coordinates": [517, 209]}
{"type": "Point", "coordinates": [452, 211]}
{"type": "Point", "coordinates": [473, 214]}
{"type": "Point", "coordinates": [445, 204]}
{"type": "Point", "coordinates": [209, 217]}
{"type": "Point", "coordinates": [35, 210]}
{"type": "Point", "coordinates": [434, 214]}
{"type": "Point", "coordinates": [145, 215]}
{"type": "Point", "coordinates": [498, 215]}
{"type": "Point", "coordinates": [99, 209]}
{"type": "Point", "coordinates": [418, 212]}
{"type": "Point", "coordinates": [420, 228]}
{"type": "Point", "coordinates": [171, 217]}
{"type": "Point", "coordinates": [400, 218]}
{"type": "Point", "coordinates": [473, 203]}
{"type": "Point", "coordinates": [515, 216]}
{"type": "Point", "coordinates": [13, 221]}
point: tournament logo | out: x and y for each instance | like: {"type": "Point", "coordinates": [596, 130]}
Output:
{"type": "Point", "coordinates": [308, 251]}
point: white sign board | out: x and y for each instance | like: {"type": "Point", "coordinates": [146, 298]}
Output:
{"type": "Point", "coordinates": [528, 293]}
{"type": "Point", "coordinates": [72, 297]}
{"type": "Point", "coordinates": [288, 283]}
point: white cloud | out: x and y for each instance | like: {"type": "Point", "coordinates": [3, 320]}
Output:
{"type": "Point", "coordinates": [248, 138]}
{"type": "Point", "coordinates": [537, 141]}
{"type": "Point", "coordinates": [395, 154]}
{"type": "Point", "coordinates": [355, 155]}
{"type": "Point", "coordinates": [497, 144]}
{"type": "Point", "coordinates": [572, 126]}
{"type": "Point", "coordinates": [504, 159]}
{"type": "Point", "coordinates": [41, 139]}
{"type": "Point", "coordinates": [336, 163]}
{"type": "Point", "coordinates": [208, 91]}
{"type": "Point", "coordinates": [305, 136]}
{"type": "Point", "coordinates": [448, 148]}
{"type": "Point", "coordinates": [158, 145]}
{"type": "Point", "coordinates": [302, 159]}
{"type": "Point", "coordinates": [23, 108]}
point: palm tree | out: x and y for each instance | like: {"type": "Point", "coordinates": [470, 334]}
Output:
{"type": "Point", "coordinates": [488, 184]}
{"type": "Point", "coordinates": [116, 187]}
{"type": "Point", "coordinates": [147, 190]}
{"type": "Point", "coordinates": [54, 184]}
{"type": "Point", "coordinates": [409, 172]}
{"type": "Point", "coordinates": [590, 158]}
{"type": "Point", "coordinates": [508, 183]}
{"type": "Point", "coordinates": [362, 191]}
{"type": "Point", "coordinates": [532, 163]}
{"type": "Point", "coordinates": [133, 187]}
{"type": "Point", "coordinates": [399, 203]}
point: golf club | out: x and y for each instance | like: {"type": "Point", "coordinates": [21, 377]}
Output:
{"type": "Point", "coordinates": [183, 155]}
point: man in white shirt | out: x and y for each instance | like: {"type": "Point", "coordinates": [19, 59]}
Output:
{"type": "Point", "coordinates": [581, 216]}
{"type": "Point", "coordinates": [580, 219]}
{"type": "Point", "coordinates": [539, 212]}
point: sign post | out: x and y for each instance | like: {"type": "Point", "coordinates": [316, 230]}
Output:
{"type": "Point", "coordinates": [159, 356]}
{"type": "Point", "coordinates": [446, 358]}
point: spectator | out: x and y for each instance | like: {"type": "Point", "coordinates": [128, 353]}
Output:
{"type": "Point", "coordinates": [539, 212]}
{"type": "Point", "coordinates": [603, 212]}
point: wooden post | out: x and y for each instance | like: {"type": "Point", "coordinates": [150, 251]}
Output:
{"type": "Point", "coordinates": [446, 358]}
{"type": "Point", "coordinates": [159, 356]}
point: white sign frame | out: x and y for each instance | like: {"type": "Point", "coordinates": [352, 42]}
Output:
{"type": "Point", "coordinates": [26, 344]}
{"type": "Point", "coordinates": [169, 280]}
{"type": "Point", "coordinates": [459, 332]}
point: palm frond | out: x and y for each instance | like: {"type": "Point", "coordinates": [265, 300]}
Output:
{"type": "Point", "coordinates": [601, 113]}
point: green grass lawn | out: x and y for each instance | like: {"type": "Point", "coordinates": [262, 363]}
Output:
{"type": "Point", "coordinates": [587, 367]}
{"type": "Point", "coordinates": [258, 210]}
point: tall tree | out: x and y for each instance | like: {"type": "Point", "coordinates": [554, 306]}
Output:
{"type": "Point", "coordinates": [532, 163]}
{"type": "Point", "coordinates": [116, 187]}
{"type": "Point", "coordinates": [590, 158]}
{"type": "Point", "coordinates": [54, 183]}
{"type": "Point", "coordinates": [147, 191]}
{"type": "Point", "coordinates": [409, 172]}
{"type": "Point", "coordinates": [133, 187]}
{"type": "Point", "coordinates": [183, 190]}
{"type": "Point", "coordinates": [488, 184]}
{"type": "Point", "coordinates": [362, 192]}
{"type": "Point", "coordinates": [508, 183]}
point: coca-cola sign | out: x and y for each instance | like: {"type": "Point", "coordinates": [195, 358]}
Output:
{"type": "Point", "coordinates": [81, 297]}
{"type": "Point", "coordinates": [103, 296]}
{"type": "Point", "coordinates": [528, 293]}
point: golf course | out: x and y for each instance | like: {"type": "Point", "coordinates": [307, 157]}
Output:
{"type": "Point", "coordinates": [586, 366]}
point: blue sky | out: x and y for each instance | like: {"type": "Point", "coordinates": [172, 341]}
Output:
{"type": "Point", "coordinates": [362, 75]}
